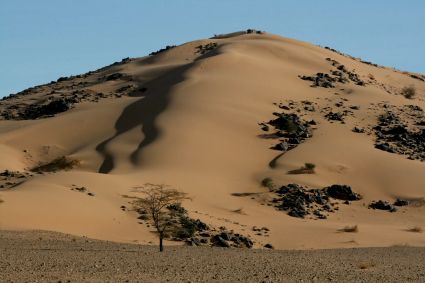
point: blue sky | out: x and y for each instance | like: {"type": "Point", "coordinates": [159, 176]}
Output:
{"type": "Point", "coordinates": [45, 39]}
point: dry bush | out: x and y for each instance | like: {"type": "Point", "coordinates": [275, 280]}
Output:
{"type": "Point", "coordinates": [156, 201]}
{"type": "Point", "coordinates": [409, 92]}
{"type": "Point", "coordinates": [268, 183]}
{"type": "Point", "coordinates": [61, 163]}
{"type": "Point", "coordinates": [350, 229]}
{"type": "Point", "coordinates": [366, 265]}
{"type": "Point", "coordinates": [415, 229]}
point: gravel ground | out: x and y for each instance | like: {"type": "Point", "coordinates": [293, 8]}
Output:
{"type": "Point", "coordinates": [52, 257]}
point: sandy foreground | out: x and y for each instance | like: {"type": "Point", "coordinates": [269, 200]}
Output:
{"type": "Point", "coordinates": [39, 256]}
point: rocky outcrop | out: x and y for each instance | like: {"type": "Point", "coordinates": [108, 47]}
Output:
{"type": "Point", "coordinates": [402, 135]}
{"type": "Point", "coordinates": [289, 129]}
{"type": "Point", "coordinates": [329, 80]}
{"type": "Point", "coordinates": [299, 202]}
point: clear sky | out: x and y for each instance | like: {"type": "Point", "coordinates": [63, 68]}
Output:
{"type": "Point", "coordinates": [41, 40]}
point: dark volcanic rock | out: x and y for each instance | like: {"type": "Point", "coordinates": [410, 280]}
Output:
{"type": "Point", "coordinates": [219, 242]}
{"type": "Point", "coordinates": [340, 75]}
{"type": "Point", "coordinates": [342, 192]}
{"type": "Point", "coordinates": [396, 135]}
{"type": "Point", "coordinates": [358, 130]}
{"type": "Point", "coordinates": [382, 205]}
{"type": "Point", "coordinates": [335, 116]}
{"type": "Point", "coordinates": [401, 202]}
{"type": "Point", "coordinates": [168, 47]}
{"type": "Point", "coordinates": [114, 77]}
{"type": "Point", "coordinates": [35, 111]}
{"type": "Point", "coordinates": [290, 130]}
{"type": "Point", "coordinates": [300, 202]}
{"type": "Point", "coordinates": [202, 49]}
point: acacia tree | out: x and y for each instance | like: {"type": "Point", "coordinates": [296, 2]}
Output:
{"type": "Point", "coordinates": [155, 202]}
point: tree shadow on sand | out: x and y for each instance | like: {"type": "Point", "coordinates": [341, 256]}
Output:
{"type": "Point", "coordinates": [144, 112]}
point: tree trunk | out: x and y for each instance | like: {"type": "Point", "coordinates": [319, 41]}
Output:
{"type": "Point", "coordinates": [161, 247]}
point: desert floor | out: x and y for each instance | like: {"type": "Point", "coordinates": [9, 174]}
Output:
{"type": "Point", "coordinates": [39, 256]}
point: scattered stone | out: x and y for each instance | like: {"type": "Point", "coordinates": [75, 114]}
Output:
{"type": "Point", "coordinates": [320, 80]}
{"type": "Point", "coordinates": [168, 47]}
{"type": "Point", "coordinates": [269, 246]}
{"type": "Point", "coordinates": [340, 75]}
{"type": "Point", "coordinates": [358, 130]}
{"type": "Point", "coordinates": [202, 49]}
{"type": "Point", "coordinates": [335, 116]}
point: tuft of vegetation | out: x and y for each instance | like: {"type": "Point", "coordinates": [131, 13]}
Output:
{"type": "Point", "coordinates": [350, 229]}
{"type": "Point", "coordinates": [415, 229]}
{"type": "Point", "coordinates": [61, 163]}
{"type": "Point", "coordinates": [308, 168]}
{"type": "Point", "coordinates": [409, 92]}
{"type": "Point", "coordinates": [366, 265]}
{"type": "Point", "coordinates": [268, 183]}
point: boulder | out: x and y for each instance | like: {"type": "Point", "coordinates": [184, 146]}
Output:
{"type": "Point", "coordinates": [342, 192]}
{"type": "Point", "coordinates": [382, 205]}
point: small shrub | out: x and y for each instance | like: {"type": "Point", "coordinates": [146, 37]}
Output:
{"type": "Point", "coordinates": [409, 92]}
{"type": "Point", "coordinates": [366, 265]}
{"type": "Point", "coordinates": [415, 229]}
{"type": "Point", "coordinates": [309, 166]}
{"type": "Point", "coordinates": [268, 183]}
{"type": "Point", "coordinates": [350, 229]}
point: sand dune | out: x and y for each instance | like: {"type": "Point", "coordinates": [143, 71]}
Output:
{"type": "Point", "coordinates": [190, 119]}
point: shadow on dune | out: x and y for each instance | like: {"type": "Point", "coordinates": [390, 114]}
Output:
{"type": "Point", "coordinates": [144, 112]}
{"type": "Point", "coordinates": [273, 162]}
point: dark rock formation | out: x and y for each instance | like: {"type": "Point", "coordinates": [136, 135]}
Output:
{"type": "Point", "coordinates": [382, 205]}
{"type": "Point", "coordinates": [35, 111]}
{"type": "Point", "coordinates": [340, 75]}
{"type": "Point", "coordinates": [290, 130]}
{"type": "Point", "coordinates": [396, 135]}
{"type": "Point", "coordinates": [300, 202]}
{"type": "Point", "coordinates": [342, 192]}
